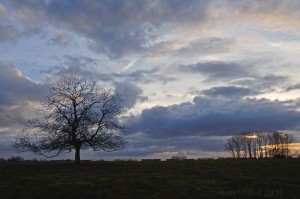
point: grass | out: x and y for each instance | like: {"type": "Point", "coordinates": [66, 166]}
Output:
{"type": "Point", "coordinates": [263, 178]}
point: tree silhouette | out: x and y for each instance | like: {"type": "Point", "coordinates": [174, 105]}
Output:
{"type": "Point", "coordinates": [260, 145]}
{"type": "Point", "coordinates": [78, 114]}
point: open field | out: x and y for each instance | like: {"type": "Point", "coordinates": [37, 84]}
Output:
{"type": "Point", "coordinates": [264, 178]}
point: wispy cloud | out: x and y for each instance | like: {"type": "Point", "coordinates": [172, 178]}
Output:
{"type": "Point", "coordinates": [128, 66]}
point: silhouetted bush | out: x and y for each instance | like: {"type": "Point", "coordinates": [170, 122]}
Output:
{"type": "Point", "coordinates": [178, 157]}
{"type": "Point", "coordinates": [15, 159]}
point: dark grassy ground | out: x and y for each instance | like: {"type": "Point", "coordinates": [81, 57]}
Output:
{"type": "Point", "coordinates": [272, 178]}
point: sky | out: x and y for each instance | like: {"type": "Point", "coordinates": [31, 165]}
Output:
{"type": "Point", "coordinates": [192, 73]}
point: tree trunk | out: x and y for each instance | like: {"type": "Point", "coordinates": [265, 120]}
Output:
{"type": "Point", "coordinates": [77, 155]}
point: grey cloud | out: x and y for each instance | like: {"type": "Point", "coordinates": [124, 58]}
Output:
{"type": "Point", "coordinates": [238, 76]}
{"type": "Point", "coordinates": [79, 65]}
{"type": "Point", "coordinates": [117, 44]}
{"type": "Point", "coordinates": [216, 70]}
{"type": "Point", "coordinates": [16, 95]}
{"type": "Point", "coordinates": [228, 91]}
{"type": "Point", "coordinates": [119, 13]}
{"type": "Point", "coordinates": [180, 143]}
{"type": "Point", "coordinates": [81, 61]}
{"type": "Point", "coordinates": [8, 33]}
{"type": "Point", "coordinates": [185, 146]}
{"type": "Point", "coordinates": [138, 146]}
{"type": "Point", "coordinates": [210, 116]}
{"type": "Point", "coordinates": [292, 87]}
{"type": "Point", "coordinates": [206, 46]}
{"type": "Point", "coordinates": [118, 28]}
{"type": "Point", "coordinates": [8, 30]}
{"type": "Point", "coordinates": [262, 83]}
{"type": "Point", "coordinates": [146, 76]}
{"type": "Point", "coordinates": [17, 114]}
{"type": "Point", "coordinates": [130, 93]}
{"type": "Point", "coordinates": [288, 7]}
{"type": "Point", "coordinates": [193, 91]}
{"type": "Point", "coordinates": [89, 68]}
{"type": "Point", "coordinates": [6, 138]}
{"type": "Point", "coordinates": [113, 27]}
{"type": "Point", "coordinates": [143, 75]}
{"type": "Point", "coordinates": [82, 71]}
{"type": "Point", "coordinates": [11, 29]}
{"type": "Point", "coordinates": [60, 38]}
{"type": "Point", "coordinates": [16, 87]}
{"type": "Point", "coordinates": [141, 147]}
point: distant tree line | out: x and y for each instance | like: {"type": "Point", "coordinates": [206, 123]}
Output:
{"type": "Point", "coordinates": [260, 145]}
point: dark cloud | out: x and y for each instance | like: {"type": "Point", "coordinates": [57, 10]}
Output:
{"type": "Point", "coordinates": [85, 67]}
{"type": "Point", "coordinates": [130, 93]}
{"type": "Point", "coordinates": [118, 28]}
{"type": "Point", "coordinates": [289, 7]}
{"type": "Point", "coordinates": [143, 75]}
{"type": "Point", "coordinates": [17, 93]}
{"type": "Point", "coordinates": [8, 33]}
{"type": "Point", "coordinates": [150, 32]}
{"type": "Point", "coordinates": [228, 91]}
{"type": "Point", "coordinates": [8, 30]}
{"type": "Point", "coordinates": [80, 61]}
{"type": "Point", "coordinates": [193, 91]}
{"type": "Point", "coordinates": [184, 146]}
{"type": "Point", "coordinates": [216, 70]}
{"type": "Point", "coordinates": [17, 114]}
{"type": "Point", "coordinates": [84, 72]}
{"type": "Point", "coordinates": [89, 68]}
{"type": "Point", "coordinates": [60, 38]}
{"type": "Point", "coordinates": [266, 83]}
{"type": "Point", "coordinates": [16, 87]}
{"type": "Point", "coordinates": [6, 140]}
{"type": "Point", "coordinates": [208, 116]}
{"type": "Point", "coordinates": [206, 46]}
{"type": "Point", "coordinates": [80, 66]}
{"type": "Point", "coordinates": [12, 29]}
{"type": "Point", "coordinates": [292, 87]}
{"type": "Point", "coordinates": [146, 76]}
{"type": "Point", "coordinates": [113, 27]}
{"type": "Point", "coordinates": [243, 75]}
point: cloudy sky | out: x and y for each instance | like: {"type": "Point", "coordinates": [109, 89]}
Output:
{"type": "Point", "coordinates": [191, 72]}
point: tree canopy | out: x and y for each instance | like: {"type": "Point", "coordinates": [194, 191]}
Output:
{"type": "Point", "coordinates": [78, 114]}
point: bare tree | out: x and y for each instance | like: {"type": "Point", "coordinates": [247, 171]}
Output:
{"type": "Point", "coordinates": [256, 144]}
{"type": "Point", "coordinates": [290, 139]}
{"type": "Point", "coordinates": [229, 146]}
{"type": "Point", "coordinates": [79, 114]}
{"type": "Point", "coordinates": [248, 142]}
{"type": "Point", "coordinates": [237, 145]}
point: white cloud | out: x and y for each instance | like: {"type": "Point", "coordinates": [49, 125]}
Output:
{"type": "Point", "coordinates": [128, 66]}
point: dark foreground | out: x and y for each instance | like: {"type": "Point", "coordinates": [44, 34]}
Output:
{"type": "Point", "coordinates": [264, 178]}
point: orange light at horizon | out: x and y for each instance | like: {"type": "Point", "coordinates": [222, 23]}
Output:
{"type": "Point", "coordinates": [251, 136]}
